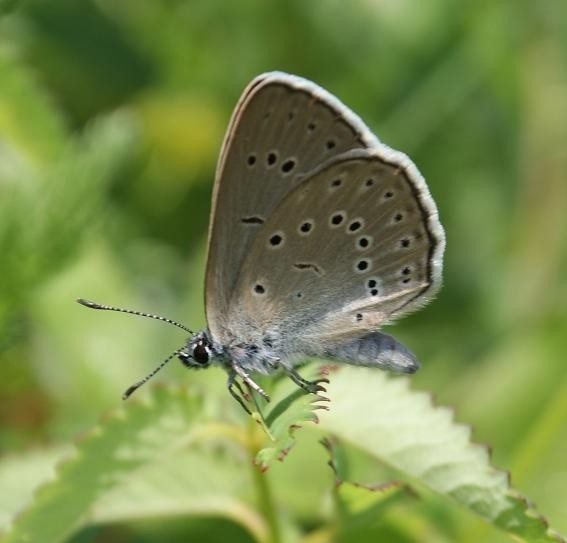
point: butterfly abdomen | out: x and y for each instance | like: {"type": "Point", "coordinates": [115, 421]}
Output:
{"type": "Point", "coordinates": [375, 349]}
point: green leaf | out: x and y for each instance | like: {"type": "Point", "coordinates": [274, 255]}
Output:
{"type": "Point", "coordinates": [402, 428]}
{"type": "Point", "coordinates": [21, 475]}
{"type": "Point", "coordinates": [290, 408]}
{"type": "Point", "coordinates": [357, 499]}
{"type": "Point", "coordinates": [363, 512]}
{"type": "Point", "coordinates": [148, 459]}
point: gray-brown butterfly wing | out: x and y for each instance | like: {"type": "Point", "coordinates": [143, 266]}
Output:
{"type": "Point", "coordinates": [356, 244]}
{"type": "Point", "coordinates": [283, 127]}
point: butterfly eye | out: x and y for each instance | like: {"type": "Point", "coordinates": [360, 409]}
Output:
{"type": "Point", "coordinates": [200, 354]}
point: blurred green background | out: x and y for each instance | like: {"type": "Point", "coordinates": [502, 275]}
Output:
{"type": "Point", "coordinates": [111, 118]}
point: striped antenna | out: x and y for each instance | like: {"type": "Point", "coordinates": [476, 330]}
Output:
{"type": "Point", "coordinates": [94, 305]}
{"type": "Point", "coordinates": [137, 385]}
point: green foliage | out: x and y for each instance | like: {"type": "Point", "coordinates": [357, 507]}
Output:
{"type": "Point", "coordinates": [140, 462]}
{"type": "Point", "coordinates": [290, 408]}
{"type": "Point", "coordinates": [52, 189]}
{"type": "Point", "coordinates": [404, 430]}
{"type": "Point", "coordinates": [111, 118]}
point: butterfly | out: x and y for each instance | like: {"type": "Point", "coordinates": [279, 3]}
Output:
{"type": "Point", "coordinates": [319, 235]}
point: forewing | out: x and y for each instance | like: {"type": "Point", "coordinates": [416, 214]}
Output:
{"type": "Point", "coordinates": [282, 127]}
{"type": "Point", "coordinates": [356, 244]}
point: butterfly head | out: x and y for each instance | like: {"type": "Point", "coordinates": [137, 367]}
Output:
{"type": "Point", "coordinates": [198, 352]}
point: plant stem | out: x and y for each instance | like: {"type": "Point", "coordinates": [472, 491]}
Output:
{"type": "Point", "coordinates": [263, 490]}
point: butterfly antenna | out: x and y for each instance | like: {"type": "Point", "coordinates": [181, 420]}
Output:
{"type": "Point", "coordinates": [137, 385]}
{"type": "Point", "coordinates": [94, 305]}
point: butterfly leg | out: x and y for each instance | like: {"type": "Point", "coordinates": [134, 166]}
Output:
{"type": "Point", "coordinates": [309, 386]}
{"type": "Point", "coordinates": [248, 381]}
{"type": "Point", "coordinates": [231, 383]}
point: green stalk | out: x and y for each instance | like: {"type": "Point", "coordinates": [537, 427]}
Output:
{"type": "Point", "coordinates": [265, 498]}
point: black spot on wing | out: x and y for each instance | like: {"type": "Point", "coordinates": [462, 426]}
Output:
{"type": "Point", "coordinates": [308, 266]}
{"type": "Point", "coordinates": [252, 220]}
